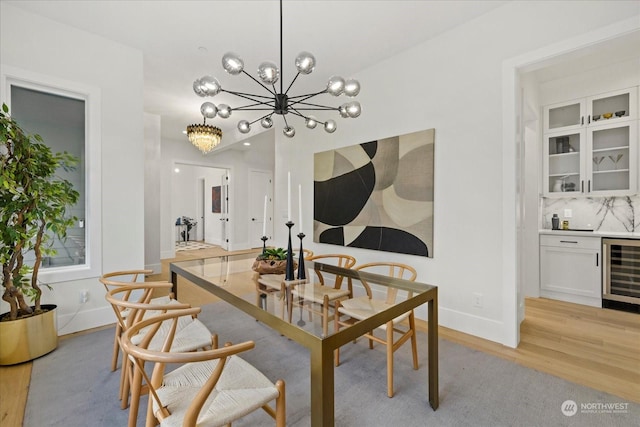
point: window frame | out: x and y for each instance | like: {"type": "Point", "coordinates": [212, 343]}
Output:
{"type": "Point", "coordinates": [92, 267]}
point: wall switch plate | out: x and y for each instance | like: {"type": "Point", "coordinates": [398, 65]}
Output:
{"type": "Point", "coordinates": [477, 300]}
{"type": "Point", "coordinates": [568, 213]}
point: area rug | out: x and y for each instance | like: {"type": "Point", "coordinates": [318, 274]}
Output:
{"type": "Point", "coordinates": [192, 245]}
{"type": "Point", "coordinates": [73, 386]}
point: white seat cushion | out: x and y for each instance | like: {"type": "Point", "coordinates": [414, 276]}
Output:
{"type": "Point", "coordinates": [191, 335]}
{"type": "Point", "coordinates": [271, 281]}
{"type": "Point", "coordinates": [316, 292]}
{"type": "Point", "coordinates": [240, 390]}
{"type": "Point", "coordinates": [363, 307]}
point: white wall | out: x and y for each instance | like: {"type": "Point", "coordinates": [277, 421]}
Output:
{"type": "Point", "coordinates": [152, 165]}
{"type": "Point", "coordinates": [43, 46]}
{"type": "Point", "coordinates": [454, 84]}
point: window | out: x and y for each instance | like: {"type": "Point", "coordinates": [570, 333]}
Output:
{"type": "Point", "coordinates": [66, 116]}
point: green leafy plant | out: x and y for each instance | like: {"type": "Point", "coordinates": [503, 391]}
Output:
{"type": "Point", "coordinates": [33, 204]}
{"type": "Point", "coordinates": [273, 254]}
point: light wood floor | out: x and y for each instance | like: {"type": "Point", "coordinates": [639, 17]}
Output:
{"type": "Point", "coordinates": [594, 347]}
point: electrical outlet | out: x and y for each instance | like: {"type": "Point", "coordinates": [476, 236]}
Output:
{"type": "Point", "coordinates": [477, 300]}
{"type": "Point", "coordinates": [84, 296]}
{"type": "Point", "coordinates": [568, 213]}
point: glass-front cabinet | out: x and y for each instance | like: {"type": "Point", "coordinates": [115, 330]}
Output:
{"type": "Point", "coordinates": [590, 146]}
{"type": "Point", "coordinates": [611, 107]}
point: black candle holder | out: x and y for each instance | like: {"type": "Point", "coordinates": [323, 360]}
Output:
{"type": "Point", "coordinates": [301, 270]}
{"type": "Point", "coordinates": [289, 273]}
{"type": "Point", "coordinates": [264, 243]}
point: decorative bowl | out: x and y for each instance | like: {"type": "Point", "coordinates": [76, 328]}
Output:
{"type": "Point", "coordinates": [607, 115]}
{"type": "Point", "coordinates": [596, 117]}
{"type": "Point", "coordinates": [620, 113]}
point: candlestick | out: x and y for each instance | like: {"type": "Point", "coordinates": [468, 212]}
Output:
{"type": "Point", "coordinates": [302, 275]}
{"type": "Point", "coordinates": [288, 196]}
{"type": "Point", "coordinates": [289, 273]}
{"type": "Point", "coordinates": [264, 217]}
{"type": "Point", "coordinates": [300, 206]}
{"type": "Point", "coordinates": [264, 243]}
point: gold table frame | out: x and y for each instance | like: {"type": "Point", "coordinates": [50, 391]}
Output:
{"type": "Point", "coordinates": [321, 349]}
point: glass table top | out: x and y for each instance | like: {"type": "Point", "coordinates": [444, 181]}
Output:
{"type": "Point", "coordinates": [233, 275]}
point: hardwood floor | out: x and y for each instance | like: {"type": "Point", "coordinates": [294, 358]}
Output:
{"type": "Point", "coordinates": [598, 348]}
{"type": "Point", "coordinates": [595, 347]}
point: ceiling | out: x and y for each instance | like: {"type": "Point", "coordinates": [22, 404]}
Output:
{"type": "Point", "coordinates": [184, 40]}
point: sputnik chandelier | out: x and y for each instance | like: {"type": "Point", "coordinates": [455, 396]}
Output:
{"type": "Point", "coordinates": [280, 103]}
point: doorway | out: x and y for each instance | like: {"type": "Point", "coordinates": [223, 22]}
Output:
{"type": "Point", "coordinates": [260, 206]}
{"type": "Point", "coordinates": [197, 192]}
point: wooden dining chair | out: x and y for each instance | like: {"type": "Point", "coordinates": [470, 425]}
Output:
{"type": "Point", "coordinates": [310, 296]}
{"type": "Point", "coordinates": [267, 285]}
{"type": "Point", "coordinates": [116, 279]}
{"type": "Point", "coordinates": [191, 335]}
{"type": "Point", "coordinates": [208, 388]}
{"type": "Point", "coordinates": [363, 307]}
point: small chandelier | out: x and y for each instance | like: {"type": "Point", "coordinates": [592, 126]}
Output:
{"type": "Point", "coordinates": [205, 137]}
{"type": "Point", "coordinates": [278, 102]}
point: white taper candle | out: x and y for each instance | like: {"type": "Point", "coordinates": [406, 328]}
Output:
{"type": "Point", "coordinates": [300, 206]}
{"type": "Point", "coordinates": [288, 196]}
{"type": "Point", "coordinates": [264, 217]}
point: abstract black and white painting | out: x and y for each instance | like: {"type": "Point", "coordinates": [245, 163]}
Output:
{"type": "Point", "coordinates": [377, 195]}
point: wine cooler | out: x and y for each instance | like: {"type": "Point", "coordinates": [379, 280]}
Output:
{"type": "Point", "coordinates": [621, 274]}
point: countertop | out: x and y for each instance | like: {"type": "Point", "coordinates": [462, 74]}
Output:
{"type": "Point", "coordinates": [614, 234]}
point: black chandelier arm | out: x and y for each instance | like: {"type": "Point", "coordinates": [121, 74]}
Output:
{"type": "Point", "coordinates": [269, 103]}
{"type": "Point", "coordinates": [251, 96]}
{"type": "Point", "coordinates": [259, 82]}
{"type": "Point", "coordinates": [250, 108]}
{"type": "Point", "coordinates": [292, 82]}
{"type": "Point", "coordinates": [260, 106]}
{"type": "Point", "coordinates": [317, 107]}
{"type": "Point", "coordinates": [257, 120]}
{"type": "Point", "coordinates": [299, 114]}
{"type": "Point", "coordinates": [307, 95]}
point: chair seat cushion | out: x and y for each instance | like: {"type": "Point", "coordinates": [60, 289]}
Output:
{"type": "Point", "coordinates": [159, 300]}
{"type": "Point", "coordinates": [191, 335]}
{"type": "Point", "coordinates": [240, 390]}
{"type": "Point", "coordinates": [363, 307]}
{"type": "Point", "coordinates": [271, 281]}
{"type": "Point", "coordinates": [316, 292]}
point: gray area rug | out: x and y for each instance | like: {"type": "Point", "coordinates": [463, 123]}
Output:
{"type": "Point", "coordinates": [73, 386]}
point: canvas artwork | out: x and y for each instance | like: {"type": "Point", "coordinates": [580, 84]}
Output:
{"type": "Point", "coordinates": [377, 195]}
{"type": "Point", "coordinates": [216, 199]}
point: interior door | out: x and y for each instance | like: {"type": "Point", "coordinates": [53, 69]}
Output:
{"type": "Point", "coordinates": [260, 212]}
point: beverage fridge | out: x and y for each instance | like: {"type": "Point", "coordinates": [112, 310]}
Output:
{"type": "Point", "coordinates": [621, 274]}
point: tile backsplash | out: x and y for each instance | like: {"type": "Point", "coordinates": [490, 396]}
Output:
{"type": "Point", "coordinates": [620, 213]}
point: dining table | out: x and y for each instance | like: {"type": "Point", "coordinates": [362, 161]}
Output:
{"type": "Point", "coordinates": [231, 278]}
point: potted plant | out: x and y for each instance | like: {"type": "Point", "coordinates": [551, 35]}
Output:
{"type": "Point", "coordinates": [33, 204]}
{"type": "Point", "coordinates": [271, 261]}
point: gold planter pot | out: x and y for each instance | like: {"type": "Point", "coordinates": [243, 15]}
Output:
{"type": "Point", "coordinates": [25, 339]}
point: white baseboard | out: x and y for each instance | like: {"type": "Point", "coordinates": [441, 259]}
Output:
{"type": "Point", "coordinates": [481, 327]}
{"type": "Point", "coordinates": [157, 268]}
{"type": "Point", "coordinates": [83, 320]}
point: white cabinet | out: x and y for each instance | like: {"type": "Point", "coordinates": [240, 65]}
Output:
{"type": "Point", "coordinates": [585, 152]}
{"type": "Point", "coordinates": [570, 269]}
{"type": "Point", "coordinates": [610, 107]}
